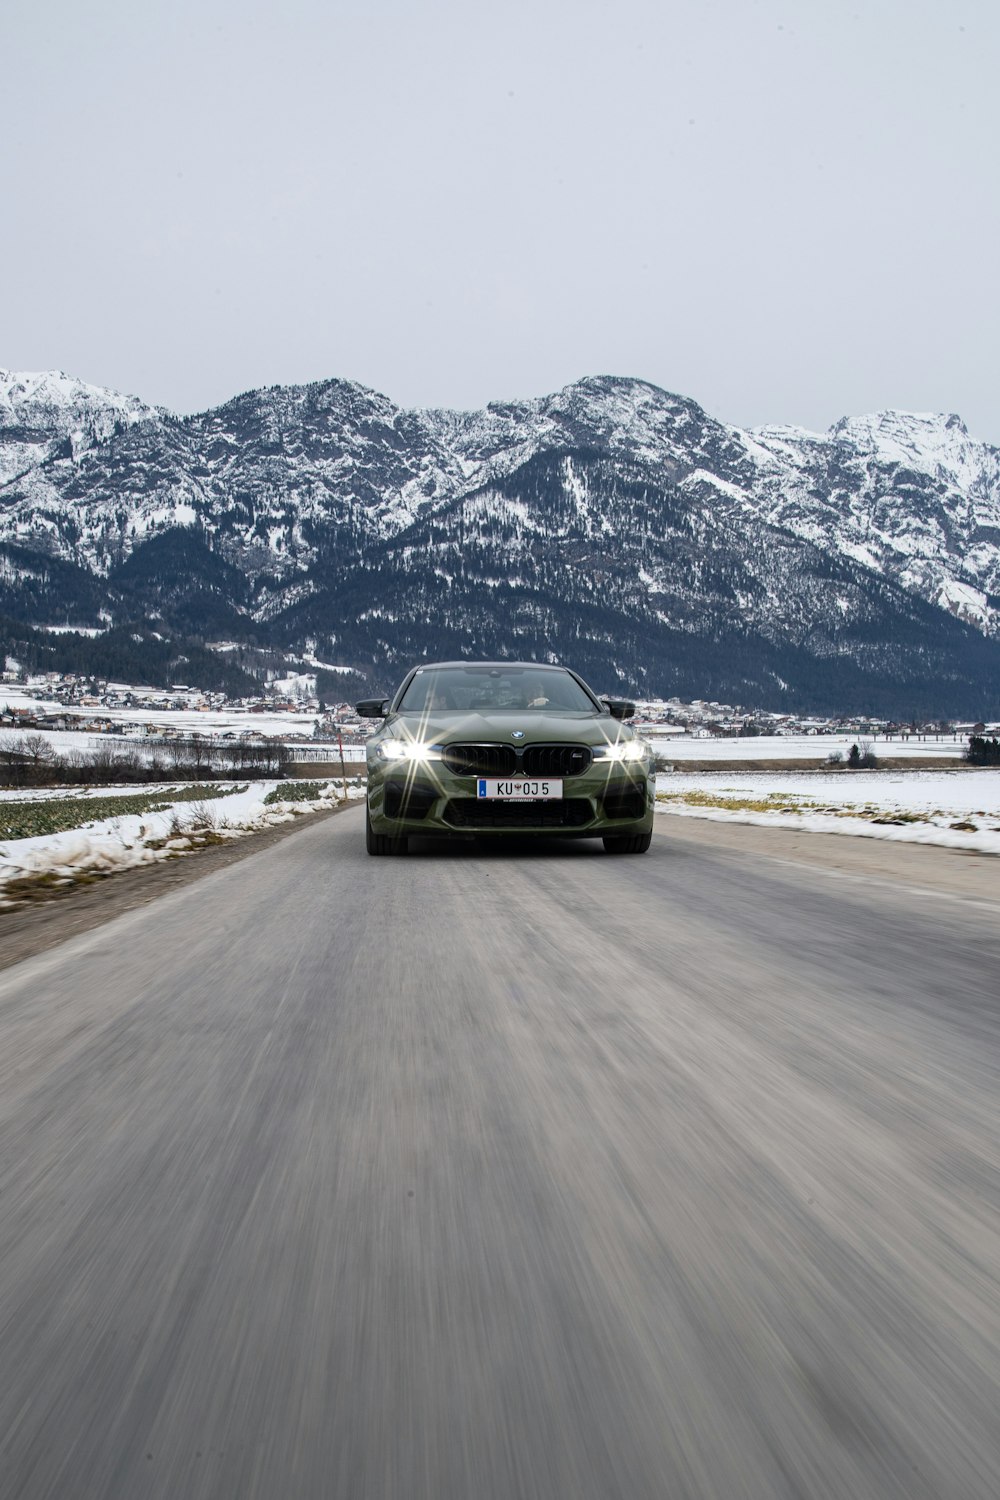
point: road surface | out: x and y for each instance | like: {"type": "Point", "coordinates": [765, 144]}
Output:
{"type": "Point", "coordinates": [477, 1175]}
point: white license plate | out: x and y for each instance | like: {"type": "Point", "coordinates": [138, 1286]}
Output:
{"type": "Point", "coordinates": [521, 789]}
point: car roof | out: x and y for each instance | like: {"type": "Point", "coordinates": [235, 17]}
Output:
{"type": "Point", "coordinates": [539, 666]}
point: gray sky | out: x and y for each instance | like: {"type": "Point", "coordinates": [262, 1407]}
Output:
{"type": "Point", "coordinates": [786, 209]}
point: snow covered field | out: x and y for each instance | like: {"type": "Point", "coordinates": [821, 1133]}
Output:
{"type": "Point", "coordinates": [180, 822]}
{"type": "Point", "coordinates": [959, 809]}
{"type": "Point", "coordinates": [74, 741]}
{"type": "Point", "coordinates": [807, 747]}
{"type": "Point", "coordinates": [188, 721]}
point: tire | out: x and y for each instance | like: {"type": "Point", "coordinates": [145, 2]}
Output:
{"type": "Point", "coordinates": [381, 843]}
{"type": "Point", "coordinates": [633, 843]}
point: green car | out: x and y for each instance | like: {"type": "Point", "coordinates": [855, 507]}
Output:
{"type": "Point", "coordinates": [495, 748]}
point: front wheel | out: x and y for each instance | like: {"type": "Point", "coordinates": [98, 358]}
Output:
{"type": "Point", "coordinates": [635, 843]}
{"type": "Point", "coordinates": [381, 843]}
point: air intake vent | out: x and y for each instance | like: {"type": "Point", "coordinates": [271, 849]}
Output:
{"type": "Point", "coordinates": [624, 805]}
{"type": "Point", "coordinates": [476, 812]}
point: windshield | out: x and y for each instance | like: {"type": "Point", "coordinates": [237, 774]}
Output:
{"type": "Point", "coordinates": [461, 688]}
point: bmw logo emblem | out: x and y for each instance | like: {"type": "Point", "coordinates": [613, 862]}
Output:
{"type": "Point", "coordinates": [517, 734]}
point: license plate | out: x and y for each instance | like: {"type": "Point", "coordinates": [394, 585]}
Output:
{"type": "Point", "coordinates": [523, 789]}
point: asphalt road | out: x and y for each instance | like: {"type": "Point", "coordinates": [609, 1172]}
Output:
{"type": "Point", "coordinates": [468, 1176]}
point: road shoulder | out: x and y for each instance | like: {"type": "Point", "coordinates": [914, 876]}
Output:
{"type": "Point", "coordinates": [45, 922]}
{"type": "Point", "coordinates": [958, 873]}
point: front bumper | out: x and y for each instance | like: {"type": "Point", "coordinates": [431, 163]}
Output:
{"type": "Point", "coordinates": [604, 800]}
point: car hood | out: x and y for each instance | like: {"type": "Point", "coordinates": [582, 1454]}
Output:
{"type": "Point", "coordinates": [481, 726]}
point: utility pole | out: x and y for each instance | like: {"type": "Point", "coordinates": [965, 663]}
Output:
{"type": "Point", "coordinates": [343, 772]}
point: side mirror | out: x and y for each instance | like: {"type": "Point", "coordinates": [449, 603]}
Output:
{"type": "Point", "coordinates": [619, 708]}
{"type": "Point", "coordinates": [372, 708]}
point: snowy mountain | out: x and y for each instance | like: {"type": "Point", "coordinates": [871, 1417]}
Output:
{"type": "Point", "coordinates": [910, 495]}
{"type": "Point", "coordinates": [45, 414]}
{"type": "Point", "coordinates": [610, 524]}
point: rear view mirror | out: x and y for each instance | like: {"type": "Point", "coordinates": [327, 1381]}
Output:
{"type": "Point", "coordinates": [372, 708]}
{"type": "Point", "coordinates": [619, 708]}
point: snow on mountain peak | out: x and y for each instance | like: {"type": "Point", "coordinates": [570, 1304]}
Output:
{"type": "Point", "coordinates": [908, 493]}
{"type": "Point", "coordinates": [620, 414]}
{"type": "Point", "coordinates": [904, 435]}
{"type": "Point", "coordinates": [24, 393]}
{"type": "Point", "coordinates": [41, 410]}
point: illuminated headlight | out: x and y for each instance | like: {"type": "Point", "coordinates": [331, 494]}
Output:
{"type": "Point", "coordinates": [624, 750]}
{"type": "Point", "coordinates": [407, 750]}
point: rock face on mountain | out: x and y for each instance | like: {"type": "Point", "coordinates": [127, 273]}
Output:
{"type": "Point", "coordinates": [611, 525]}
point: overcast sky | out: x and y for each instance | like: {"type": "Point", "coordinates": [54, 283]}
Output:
{"type": "Point", "coordinates": [785, 210]}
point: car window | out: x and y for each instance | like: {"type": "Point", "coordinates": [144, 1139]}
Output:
{"type": "Point", "coordinates": [457, 689]}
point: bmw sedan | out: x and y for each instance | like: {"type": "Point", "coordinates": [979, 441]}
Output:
{"type": "Point", "coordinates": [498, 748]}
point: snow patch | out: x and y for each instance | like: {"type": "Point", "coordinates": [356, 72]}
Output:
{"type": "Point", "coordinates": [954, 809]}
{"type": "Point", "coordinates": [125, 842]}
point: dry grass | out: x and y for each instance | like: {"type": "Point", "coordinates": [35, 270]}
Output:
{"type": "Point", "coordinates": [779, 802]}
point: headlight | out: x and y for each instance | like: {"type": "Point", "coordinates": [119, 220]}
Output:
{"type": "Point", "coordinates": [407, 750]}
{"type": "Point", "coordinates": [624, 750]}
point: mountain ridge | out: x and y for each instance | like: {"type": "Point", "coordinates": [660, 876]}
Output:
{"type": "Point", "coordinates": [609, 490]}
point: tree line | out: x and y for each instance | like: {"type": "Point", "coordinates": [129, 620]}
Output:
{"type": "Point", "coordinates": [31, 760]}
{"type": "Point", "coordinates": [983, 751]}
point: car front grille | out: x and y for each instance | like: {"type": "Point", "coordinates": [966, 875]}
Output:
{"type": "Point", "coordinates": [480, 760]}
{"type": "Point", "coordinates": [507, 760]}
{"type": "Point", "coordinates": [556, 760]}
{"type": "Point", "coordinates": [482, 812]}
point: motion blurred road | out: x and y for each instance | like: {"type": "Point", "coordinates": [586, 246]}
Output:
{"type": "Point", "coordinates": [482, 1174]}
